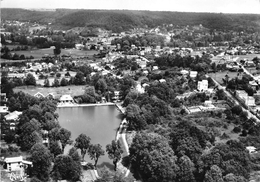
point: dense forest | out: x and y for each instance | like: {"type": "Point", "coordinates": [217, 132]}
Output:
{"type": "Point", "coordinates": [122, 20]}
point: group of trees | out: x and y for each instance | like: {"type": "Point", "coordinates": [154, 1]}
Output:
{"type": "Point", "coordinates": [7, 54]}
{"type": "Point", "coordinates": [152, 40]}
{"type": "Point", "coordinates": [180, 155]}
{"type": "Point", "coordinates": [196, 64]}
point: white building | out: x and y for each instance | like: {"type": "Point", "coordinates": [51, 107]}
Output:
{"type": "Point", "coordinates": [203, 85]}
{"type": "Point", "coordinates": [17, 164]}
{"type": "Point", "coordinates": [193, 74]}
{"type": "Point", "coordinates": [243, 96]}
{"type": "Point", "coordinates": [4, 110]}
{"type": "Point", "coordinates": [66, 99]}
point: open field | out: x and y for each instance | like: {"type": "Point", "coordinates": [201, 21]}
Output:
{"type": "Point", "coordinates": [72, 90]}
{"type": "Point", "coordinates": [219, 60]}
{"type": "Point", "coordinates": [39, 53]}
{"type": "Point", "coordinates": [248, 56]}
{"type": "Point", "coordinates": [219, 75]}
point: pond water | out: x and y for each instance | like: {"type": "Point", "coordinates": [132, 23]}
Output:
{"type": "Point", "coordinates": [100, 123]}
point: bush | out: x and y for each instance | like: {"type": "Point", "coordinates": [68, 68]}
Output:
{"type": "Point", "coordinates": [236, 109]}
{"type": "Point", "coordinates": [237, 129]}
{"type": "Point", "coordinates": [88, 166]}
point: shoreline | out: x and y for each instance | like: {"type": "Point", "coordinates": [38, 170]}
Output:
{"type": "Point", "coordinates": [117, 105]}
{"type": "Point", "coordinates": [86, 105]}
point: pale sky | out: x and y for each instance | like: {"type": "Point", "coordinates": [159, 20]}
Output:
{"type": "Point", "coordinates": [217, 6]}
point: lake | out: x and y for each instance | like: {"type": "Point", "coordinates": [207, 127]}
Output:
{"type": "Point", "coordinates": [100, 123]}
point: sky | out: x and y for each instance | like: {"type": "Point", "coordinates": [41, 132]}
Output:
{"type": "Point", "coordinates": [216, 6]}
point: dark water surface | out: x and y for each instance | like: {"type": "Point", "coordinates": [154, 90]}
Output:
{"type": "Point", "coordinates": [98, 122]}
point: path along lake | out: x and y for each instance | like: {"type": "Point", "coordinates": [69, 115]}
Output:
{"type": "Point", "coordinates": [100, 123]}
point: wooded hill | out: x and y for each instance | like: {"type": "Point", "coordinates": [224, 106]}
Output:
{"type": "Point", "coordinates": [121, 20]}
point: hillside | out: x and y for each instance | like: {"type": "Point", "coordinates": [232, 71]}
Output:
{"type": "Point", "coordinates": [121, 20]}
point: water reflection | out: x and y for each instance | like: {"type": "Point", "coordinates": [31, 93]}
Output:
{"type": "Point", "coordinates": [98, 122]}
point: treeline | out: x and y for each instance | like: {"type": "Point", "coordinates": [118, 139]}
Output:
{"type": "Point", "coordinates": [118, 20]}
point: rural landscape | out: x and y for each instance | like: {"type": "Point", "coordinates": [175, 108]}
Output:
{"type": "Point", "coordinates": [121, 95]}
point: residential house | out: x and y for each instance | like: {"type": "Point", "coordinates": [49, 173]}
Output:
{"type": "Point", "coordinates": [66, 99]}
{"type": "Point", "coordinates": [17, 164]}
{"type": "Point", "coordinates": [4, 110]}
{"type": "Point", "coordinates": [193, 74]}
{"type": "Point", "coordinates": [39, 95]}
{"type": "Point", "coordinates": [203, 85]}
{"type": "Point", "coordinates": [12, 118]}
{"type": "Point", "coordinates": [243, 97]}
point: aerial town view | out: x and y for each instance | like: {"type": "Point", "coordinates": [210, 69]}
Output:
{"type": "Point", "coordinates": [130, 91]}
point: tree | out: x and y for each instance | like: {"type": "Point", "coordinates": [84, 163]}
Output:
{"type": "Point", "coordinates": [74, 154]}
{"type": "Point", "coordinates": [64, 82]}
{"type": "Point", "coordinates": [114, 152]}
{"type": "Point", "coordinates": [56, 83]}
{"type": "Point", "coordinates": [64, 137]}
{"type": "Point", "coordinates": [185, 174]}
{"type": "Point", "coordinates": [101, 85]}
{"type": "Point", "coordinates": [30, 134]}
{"type": "Point", "coordinates": [237, 109]}
{"type": "Point", "coordinates": [55, 148]}
{"type": "Point", "coordinates": [57, 50]}
{"type": "Point", "coordinates": [214, 175]}
{"type": "Point", "coordinates": [152, 159]}
{"type": "Point", "coordinates": [79, 78]}
{"type": "Point", "coordinates": [95, 152]}
{"type": "Point", "coordinates": [30, 79]}
{"type": "Point", "coordinates": [82, 143]}
{"type": "Point", "coordinates": [41, 159]}
{"type": "Point", "coordinates": [46, 83]}
{"type": "Point", "coordinates": [58, 75]}
{"type": "Point", "coordinates": [65, 168]}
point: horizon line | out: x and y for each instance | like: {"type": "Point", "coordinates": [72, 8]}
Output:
{"type": "Point", "coordinates": [51, 9]}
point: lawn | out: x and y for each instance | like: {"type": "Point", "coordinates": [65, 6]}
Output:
{"type": "Point", "coordinates": [72, 90]}
{"type": "Point", "coordinates": [248, 56]}
{"type": "Point", "coordinates": [219, 75]}
{"type": "Point", "coordinates": [39, 53]}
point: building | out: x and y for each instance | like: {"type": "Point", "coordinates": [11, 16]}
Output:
{"type": "Point", "coordinates": [4, 110]}
{"type": "Point", "coordinates": [203, 85]}
{"type": "Point", "coordinates": [193, 74]}
{"type": "Point", "coordinates": [17, 164]}
{"type": "Point", "coordinates": [12, 118]}
{"type": "Point", "coordinates": [243, 97]}
{"type": "Point", "coordinates": [116, 95]}
{"type": "Point", "coordinates": [39, 95]}
{"type": "Point", "coordinates": [66, 99]}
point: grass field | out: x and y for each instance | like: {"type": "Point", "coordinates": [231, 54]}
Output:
{"type": "Point", "coordinates": [219, 75]}
{"type": "Point", "coordinates": [39, 53]}
{"type": "Point", "coordinates": [72, 90]}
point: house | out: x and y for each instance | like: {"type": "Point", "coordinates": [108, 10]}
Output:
{"type": "Point", "coordinates": [17, 164]}
{"type": "Point", "coordinates": [139, 88]}
{"type": "Point", "coordinates": [116, 95]}
{"type": "Point", "coordinates": [243, 97]}
{"type": "Point", "coordinates": [193, 74]}
{"type": "Point", "coordinates": [39, 95]}
{"type": "Point", "coordinates": [203, 85]}
{"type": "Point", "coordinates": [155, 68]}
{"type": "Point", "coordinates": [50, 96]}
{"type": "Point", "coordinates": [251, 149]}
{"type": "Point", "coordinates": [79, 46]}
{"type": "Point", "coordinates": [253, 84]}
{"type": "Point", "coordinates": [4, 110]}
{"type": "Point", "coordinates": [162, 80]}
{"type": "Point", "coordinates": [66, 99]}
{"type": "Point", "coordinates": [12, 118]}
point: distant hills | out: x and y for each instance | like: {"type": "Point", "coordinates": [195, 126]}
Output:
{"type": "Point", "coordinates": [122, 20]}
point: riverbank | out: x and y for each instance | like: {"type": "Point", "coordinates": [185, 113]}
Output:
{"type": "Point", "coordinates": [86, 105]}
